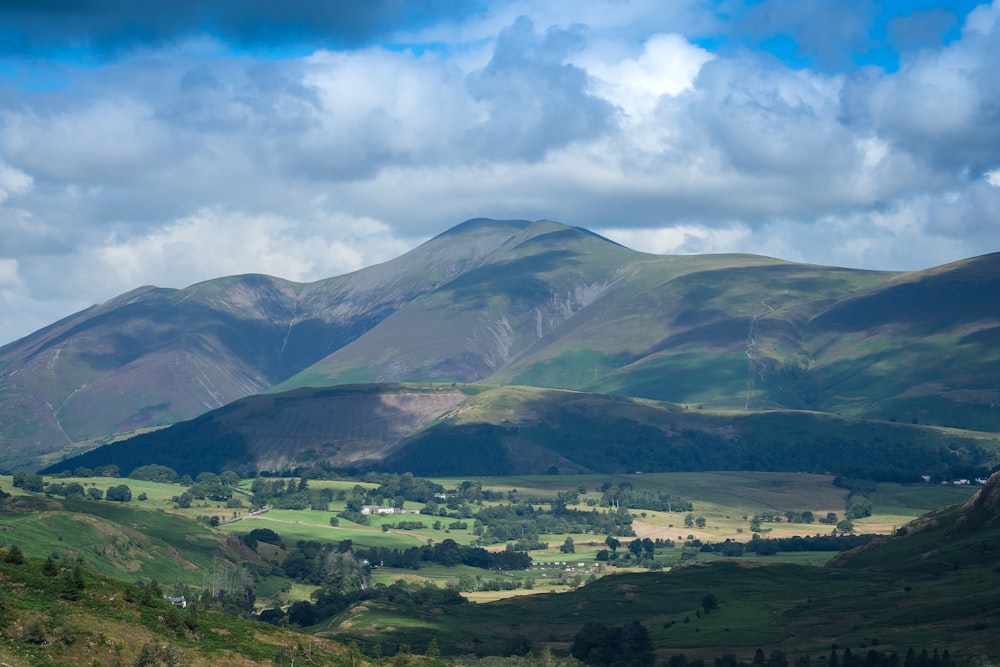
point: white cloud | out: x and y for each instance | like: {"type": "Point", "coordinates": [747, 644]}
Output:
{"type": "Point", "coordinates": [176, 164]}
{"type": "Point", "coordinates": [12, 181]}
{"type": "Point", "coordinates": [667, 66]}
{"type": "Point", "coordinates": [213, 243]}
{"type": "Point", "coordinates": [9, 276]}
{"type": "Point", "coordinates": [683, 239]}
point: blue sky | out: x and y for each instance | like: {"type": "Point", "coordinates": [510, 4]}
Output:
{"type": "Point", "coordinates": [167, 143]}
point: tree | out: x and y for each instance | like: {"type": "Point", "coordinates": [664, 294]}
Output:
{"type": "Point", "coordinates": [14, 555]}
{"type": "Point", "coordinates": [302, 614]}
{"type": "Point", "coordinates": [709, 602]}
{"type": "Point", "coordinates": [73, 583]}
{"type": "Point", "coordinates": [567, 546]}
{"type": "Point", "coordinates": [119, 493]}
{"type": "Point", "coordinates": [636, 547]}
{"type": "Point", "coordinates": [94, 493]}
{"type": "Point", "coordinates": [229, 478]}
{"type": "Point", "coordinates": [700, 522]}
{"type": "Point", "coordinates": [601, 645]}
{"type": "Point", "coordinates": [845, 526]}
{"type": "Point", "coordinates": [74, 490]}
{"type": "Point", "coordinates": [858, 506]}
{"type": "Point", "coordinates": [612, 543]}
{"type": "Point", "coordinates": [29, 482]}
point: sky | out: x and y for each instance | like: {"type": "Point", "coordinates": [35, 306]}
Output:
{"type": "Point", "coordinates": [169, 143]}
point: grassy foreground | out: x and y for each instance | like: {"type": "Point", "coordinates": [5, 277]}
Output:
{"type": "Point", "coordinates": [72, 615]}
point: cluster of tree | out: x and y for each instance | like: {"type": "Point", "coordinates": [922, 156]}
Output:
{"type": "Point", "coordinates": [770, 546]}
{"type": "Point", "coordinates": [449, 553]}
{"type": "Point", "coordinates": [329, 565]}
{"type": "Point", "coordinates": [83, 471]}
{"type": "Point", "coordinates": [859, 496]}
{"type": "Point", "coordinates": [328, 603]}
{"type": "Point", "coordinates": [29, 482]}
{"type": "Point", "coordinates": [603, 645]}
{"type": "Point", "coordinates": [470, 584]}
{"type": "Point", "coordinates": [402, 487]}
{"type": "Point", "coordinates": [640, 549]}
{"type": "Point", "coordinates": [407, 525]}
{"type": "Point", "coordinates": [637, 551]}
{"type": "Point", "coordinates": [156, 473]}
{"type": "Point", "coordinates": [258, 535]}
{"type": "Point", "coordinates": [848, 658]}
{"type": "Point", "coordinates": [503, 523]}
{"type": "Point", "coordinates": [840, 542]}
{"type": "Point", "coordinates": [209, 486]}
{"type": "Point", "coordinates": [858, 506]}
{"type": "Point", "coordinates": [790, 516]}
{"type": "Point", "coordinates": [290, 494]}
{"type": "Point", "coordinates": [343, 566]}
{"type": "Point", "coordinates": [72, 491]}
{"type": "Point", "coordinates": [979, 463]}
{"type": "Point", "coordinates": [777, 516]}
{"type": "Point", "coordinates": [642, 499]}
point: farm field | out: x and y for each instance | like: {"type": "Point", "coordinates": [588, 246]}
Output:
{"type": "Point", "coordinates": [154, 538]}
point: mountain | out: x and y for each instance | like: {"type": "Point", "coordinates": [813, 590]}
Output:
{"type": "Point", "coordinates": [520, 303]}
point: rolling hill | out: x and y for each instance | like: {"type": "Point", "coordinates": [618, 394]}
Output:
{"type": "Point", "coordinates": [520, 303]}
{"type": "Point", "coordinates": [445, 430]}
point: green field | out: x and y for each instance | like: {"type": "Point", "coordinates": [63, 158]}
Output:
{"type": "Point", "coordinates": [155, 539]}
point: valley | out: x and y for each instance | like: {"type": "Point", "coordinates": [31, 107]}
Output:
{"type": "Point", "coordinates": [183, 549]}
{"type": "Point", "coordinates": [519, 444]}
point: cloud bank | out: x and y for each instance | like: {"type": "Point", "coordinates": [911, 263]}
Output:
{"type": "Point", "coordinates": [140, 146]}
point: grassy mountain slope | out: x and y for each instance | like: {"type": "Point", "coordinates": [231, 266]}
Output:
{"type": "Point", "coordinates": [115, 539]}
{"type": "Point", "coordinates": [529, 303]}
{"type": "Point", "coordinates": [932, 588]}
{"type": "Point", "coordinates": [157, 356]}
{"type": "Point", "coordinates": [922, 347]}
{"type": "Point", "coordinates": [435, 430]}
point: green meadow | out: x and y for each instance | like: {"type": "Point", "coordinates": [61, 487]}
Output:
{"type": "Point", "coordinates": [153, 538]}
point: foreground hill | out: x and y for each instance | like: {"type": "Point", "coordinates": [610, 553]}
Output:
{"type": "Point", "coordinates": [70, 615]}
{"type": "Point", "coordinates": [527, 303]}
{"type": "Point", "coordinates": [445, 430]}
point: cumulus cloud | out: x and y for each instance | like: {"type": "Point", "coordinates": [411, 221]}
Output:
{"type": "Point", "coordinates": [183, 152]}
{"type": "Point", "coordinates": [533, 100]}
{"type": "Point", "coordinates": [941, 106]}
{"type": "Point", "coordinates": [293, 249]}
{"type": "Point", "coordinates": [12, 181]}
{"type": "Point", "coordinates": [8, 274]}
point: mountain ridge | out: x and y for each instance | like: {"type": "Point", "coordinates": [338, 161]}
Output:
{"type": "Point", "coordinates": [520, 303]}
